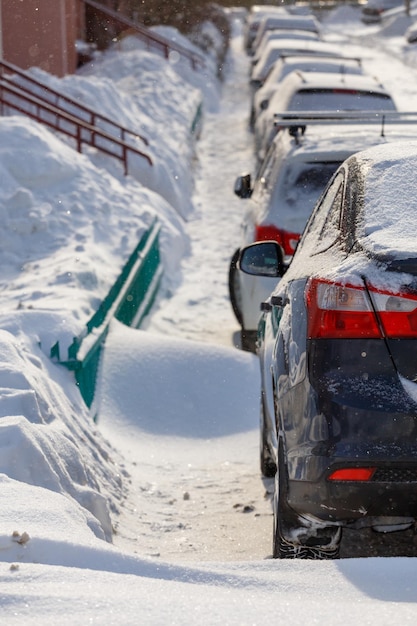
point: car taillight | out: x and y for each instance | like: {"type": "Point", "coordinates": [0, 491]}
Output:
{"type": "Point", "coordinates": [336, 311]}
{"type": "Point", "coordinates": [339, 311]}
{"type": "Point", "coordinates": [360, 474]}
{"type": "Point", "coordinates": [287, 240]}
{"type": "Point", "coordinates": [397, 313]}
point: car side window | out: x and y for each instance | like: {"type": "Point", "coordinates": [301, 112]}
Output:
{"type": "Point", "coordinates": [324, 221]}
{"type": "Point", "coordinates": [330, 231]}
{"type": "Point", "coordinates": [268, 173]}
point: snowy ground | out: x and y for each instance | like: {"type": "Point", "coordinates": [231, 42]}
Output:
{"type": "Point", "coordinates": [172, 464]}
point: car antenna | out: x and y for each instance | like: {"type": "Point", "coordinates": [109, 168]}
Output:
{"type": "Point", "coordinates": [383, 126]}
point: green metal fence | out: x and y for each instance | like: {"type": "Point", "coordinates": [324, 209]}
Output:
{"type": "Point", "coordinates": [128, 301]}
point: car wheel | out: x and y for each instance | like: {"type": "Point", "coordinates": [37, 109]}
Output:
{"type": "Point", "coordinates": [234, 288]}
{"type": "Point", "coordinates": [292, 539]}
{"type": "Point", "coordinates": [268, 464]}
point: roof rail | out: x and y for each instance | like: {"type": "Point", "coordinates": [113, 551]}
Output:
{"type": "Point", "coordinates": [302, 119]}
{"type": "Point", "coordinates": [338, 57]}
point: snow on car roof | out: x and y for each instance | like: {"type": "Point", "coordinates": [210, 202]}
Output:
{"type": "Point", "coordinates": [276, 35]}
{"type": "Point", "coordinates": [313, 63]}
{"type": "Point", "coordinates": [325, 80]}
{"type": "Point", "coordinates": [301, 22]}
{"type": "Point", "coordinates": [280, 47]}
{"type": "Point", "coordinates": [390, 199]}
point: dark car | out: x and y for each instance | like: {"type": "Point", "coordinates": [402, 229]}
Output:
{"type": "Point", "coordinates": [337, 343]}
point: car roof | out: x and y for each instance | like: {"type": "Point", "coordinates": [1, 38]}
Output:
{"type": "Point", "coordinates": [313, 63]}
{"type": "Point", "coordinates": [298, 80]}
{"type": "Point", "coordinates": [303, 22]}
{"type": "Point", "coordinates": [317, 80]}
{"type": "Point", "coordinates": [283, 47]}
{"type": "Point", "coordinates": [389, 213]}
{"type": "Point", "coordinates": [315, 59]}
{"type": "Point", "coordinates": [277, 34]}
{"type": "Point", "coordinates": [342, 136]}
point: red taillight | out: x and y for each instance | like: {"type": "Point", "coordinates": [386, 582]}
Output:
{"type": "Point", "coordinates": [353, 473]}
{"type": "Point", "coordinates": [287, 240]}
{"type": "Point", "coordinates": [339, 311]}
{"type": "Point", "coordinates": [397, 313]}
{"type": "Point", "coordinates": [346, 311]}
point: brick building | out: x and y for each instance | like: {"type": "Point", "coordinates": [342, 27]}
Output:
{"type": "Point", "coordinates": [41, 33]}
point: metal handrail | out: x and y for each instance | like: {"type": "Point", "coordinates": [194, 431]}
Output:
{"type": "Point", "coordinates": [63, 122]}
{"type": "Point", "coordinates": [7, 70]}
{"type": "Point", "coordinates": [197, 61]}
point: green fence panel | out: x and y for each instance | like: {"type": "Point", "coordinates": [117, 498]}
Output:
{"type": "Point", "coordinates": [129, 300]}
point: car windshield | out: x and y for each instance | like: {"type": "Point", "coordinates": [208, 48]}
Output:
{"type": "Point", "coordinates": [342, 99]}
{"type": "Point", "coordinates": [297, 191]}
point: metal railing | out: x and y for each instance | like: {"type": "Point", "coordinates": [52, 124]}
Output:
{"type": "Point", "coordinates": [152, 40]}
{"type": "Point", "coordinates": [21, 79]}
{"type": "Point", "coordinates": [13, 99]}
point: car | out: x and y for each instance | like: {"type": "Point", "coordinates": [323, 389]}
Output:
{"type": "Point", "coordinates": [303, 63]}
{"type": "Point", "coordinates": [254, 19]}
{"type": "Point", "coordinates": [288, 22]}
{"type": "Point", "coordinates": [279, 202]}
{"type": "Point", "coordinates": [319, 91]}
{"type": "Point", "coordinates": [300, 162]}
{"type": "Point", "coordinates": [274, 50]}
{"type": "Point", "coordinates": [373, 10]}
{"type": "Point", "coordinates": [338, 337]}
{"type": "Point", "coordinates": [283, 47]}
{"type": "Point", "coordinates": [273, 35]}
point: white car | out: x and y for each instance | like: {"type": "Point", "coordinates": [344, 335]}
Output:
{"type": "Point", "coordinates": [287, 22]}
{"type": "Point", "coordinates": [273, 35]}
{"type": "Point", "coordinates": [373, 10]}
{"type": "Point", "coordinates": [283, 47]}
{"type": "Point", "coordinates": [254, 19]}
{"type": "Point", "coordinates": [291, 179]}
{"type": "Point", "coordinates": [319, 91]}
{"type": "Point", "coordinates": [303, 63]}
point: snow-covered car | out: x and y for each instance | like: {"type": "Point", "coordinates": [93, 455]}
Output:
{"type": "Point", "coordinates": [254, 19]}
{"type": "Point", "coordinates": [342, 322]}
{"type": "Point", "coordinates": [302, 63]}
{"type": "Point", "coordinates": [274, 50]}
{"type": "Point", "coordinates": [300, 162]}
{"type": "Point", "coordinates": [319, 91]}
{"type": "Point", "coordinates": [273, 35]}
{"type": "Point", "coordinates": [285, 22]}
{"type": "Point", "coordinates": [283, 47]}
{"type": "Point", "coordinates": [373, 10]}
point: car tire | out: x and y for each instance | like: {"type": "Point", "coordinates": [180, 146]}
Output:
{"type": "Point", "coordinates": [288, 525]}
{"type": "Point", "coordinates": [267, 462]}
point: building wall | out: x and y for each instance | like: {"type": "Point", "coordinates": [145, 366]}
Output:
{"type": "Point", "coordinates": [40, 33]}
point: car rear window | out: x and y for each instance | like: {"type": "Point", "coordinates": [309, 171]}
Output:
{"type": "Point", "coordinates": [298, 189]}
{"type": "Point", "coordinates": [340, 99]}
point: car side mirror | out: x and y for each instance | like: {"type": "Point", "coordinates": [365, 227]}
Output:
{"type": "Point", "coordinates": [243, 187]}
{"type": "Point", "coordinates": [263, 258]}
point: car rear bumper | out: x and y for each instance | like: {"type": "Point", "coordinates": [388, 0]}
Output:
{"type": "Point", "coordinates": [392, 493]}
